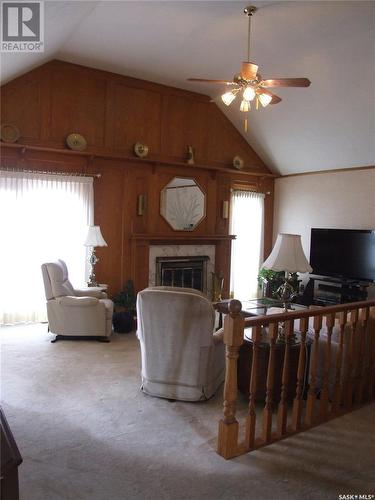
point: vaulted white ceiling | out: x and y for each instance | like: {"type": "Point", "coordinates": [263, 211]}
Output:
{"type": "Point", "coordinates": [329, 125]}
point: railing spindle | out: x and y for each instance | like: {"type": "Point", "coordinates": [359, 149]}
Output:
{"type": "Point", "coordinates": [323, 406]}
{"type": "Point", "coordinates": [354, 372]}
{"type": "Point", "coordinates": [282, 413]}
{"type": "Point", "coordinates": [371, 375]}
{"type": "Point", "coordinates": [364, 360]}
{"type": "Point", "coordinates": [297, 403]}
{"type": "Point", "coordinates": [351, 359]}
{"type": "Point", "coordinates": [337, 390]}
{"type": "Point", "coordinates": [311, 397]}
{"type": "Point", "coordinates": [267, 412]}
{"type": "Point", "coordinates": [233, 339]}
{"type": "Point", "coordinates": [251, 416]}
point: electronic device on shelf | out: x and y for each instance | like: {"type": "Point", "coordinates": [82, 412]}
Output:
{"type": "Point", "coordinates": [345, 254]}
{"type": "Point", "coordinates": [343, 262]}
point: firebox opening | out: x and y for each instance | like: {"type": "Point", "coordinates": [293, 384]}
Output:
{"type": "Point", "coordinates": [186, 272]}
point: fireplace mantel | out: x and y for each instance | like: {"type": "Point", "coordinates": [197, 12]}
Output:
{"type": "Point", "coordinates": [140, 249]}
{"type": "Point", "coordinates": [183, 236]}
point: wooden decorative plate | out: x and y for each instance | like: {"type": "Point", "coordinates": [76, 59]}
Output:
{"type": "Point", "coordinates": [238, 162]}
{"type": "Point", "coordinates": [9, 133]}
{"type": "Point", "coordinates": [141, 150]}
{"type": "Point", "coordinates": [76, 142]}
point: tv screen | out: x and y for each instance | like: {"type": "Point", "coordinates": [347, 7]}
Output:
{"type": "Point", "coordinates": [343, 253]}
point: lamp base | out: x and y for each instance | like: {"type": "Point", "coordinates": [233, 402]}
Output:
{"type": "Point", "coordinates": [286, 293]}
{"type": "Point", "coordinates": [92, 280]}
{"type": "Point", "coordinates": [93, 259]}
{"type": "Point", "coordinates": [281, 337]}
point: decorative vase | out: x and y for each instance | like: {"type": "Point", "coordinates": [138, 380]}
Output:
{"type": "Point", "coordinates": [190, 155]}
{"type": "Point", "coordinates": [123, 322]}
{"type": "Point", "coordinates": [217, 287]}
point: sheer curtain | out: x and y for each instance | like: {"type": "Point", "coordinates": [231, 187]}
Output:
{"type": "Point", "coordinates": [42, 218]}
{"type": "Point", "coordinates": [247, 220]}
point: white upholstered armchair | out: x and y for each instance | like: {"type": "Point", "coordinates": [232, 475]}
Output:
{"type": "Point", "coordinates": [76, 312]}
{"type": "Point", "coordinates": [182, 357]}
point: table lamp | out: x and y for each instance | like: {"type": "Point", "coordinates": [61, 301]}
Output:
{"type": "Point", "coordinates": [94, 239]}
{"type": "Point", "coordinates": [288, 256]}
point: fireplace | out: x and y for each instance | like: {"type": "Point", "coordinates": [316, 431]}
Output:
{"type": "Point", "coordinates": [188, 272]}
{"type": "Point", "coordinates": [181, 254]}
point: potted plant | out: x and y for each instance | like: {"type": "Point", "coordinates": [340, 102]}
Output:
{"type": "Point", "coordinates": [269, 282]}
{"type": "Point", "coordinates": [124, 309]}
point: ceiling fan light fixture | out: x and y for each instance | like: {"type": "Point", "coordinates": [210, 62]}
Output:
{"type": "Point", "coordinates": [249, 93]}
{"type": "Point", "coordinates": [250, 84]}
{"type": "Point", "coordinates": [228, 98]}
{"type": "Point", "coordinates": [264, 99]}
{"type": "Point", "coordinates": [245, 106]}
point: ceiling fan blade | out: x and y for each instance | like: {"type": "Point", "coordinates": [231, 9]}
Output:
{"type": "Point", "coordinates": [275, 99]}
{"type": "Point", "coordinates": [210, 81]}
{"type": "Point", "coordinates": [286, 82]}
{"type": "Point", "coordinates": [249, 70]}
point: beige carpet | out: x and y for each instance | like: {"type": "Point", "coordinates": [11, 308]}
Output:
{"type": "Point", "coordinates": [86, 431]}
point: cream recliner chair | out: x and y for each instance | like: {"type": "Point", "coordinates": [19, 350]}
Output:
{"type": "Point", "coordinates": [72, 311]}
{"type": "Point", "coordinates": [182, 357]}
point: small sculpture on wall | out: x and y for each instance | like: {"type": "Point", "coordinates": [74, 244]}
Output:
{"type": "Point", "coordinates": [190, 155]}
{"type": "Point", "coordinates": [141, 150]}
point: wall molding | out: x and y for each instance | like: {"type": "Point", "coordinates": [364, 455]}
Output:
{"type": "Point", "coordinates": [334, 170]}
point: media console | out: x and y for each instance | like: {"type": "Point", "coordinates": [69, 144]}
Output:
{"type": "Point", "coordinates": [325, 291]}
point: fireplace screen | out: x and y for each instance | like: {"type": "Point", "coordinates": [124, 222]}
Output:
{"type": "Point", "coordinates": [187, 272]}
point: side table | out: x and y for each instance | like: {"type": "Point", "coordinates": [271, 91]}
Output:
{"type": "Point", "coordinates": [245, 363]}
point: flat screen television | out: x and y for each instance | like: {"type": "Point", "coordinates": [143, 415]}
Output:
{"type": "Point", "coordinates": [347, 254]}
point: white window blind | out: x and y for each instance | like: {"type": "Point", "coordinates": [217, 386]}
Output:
{"type": "Point", "coordinates": [247, 221]}
{"type": "Point", "coordinates": [42, 218]}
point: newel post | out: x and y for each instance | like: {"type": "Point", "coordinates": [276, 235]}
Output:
{"type": "Point", "coordinates": [233, 339]}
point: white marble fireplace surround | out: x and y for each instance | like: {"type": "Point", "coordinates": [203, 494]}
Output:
{"type": "Point", "coordinates": [182, 251]}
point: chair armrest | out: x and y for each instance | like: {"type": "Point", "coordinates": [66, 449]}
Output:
{"type": "Point", "coordinates": [71, 301]}
{"type": "Point", "coordinates": [218, 336]}
{"type": "Point", "coordinates": [93, 291]}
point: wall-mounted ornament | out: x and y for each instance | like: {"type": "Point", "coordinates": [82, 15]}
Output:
{"type": "Point", "coordinates": [141, 205]}
{"type": "Point", "coordinates": [76, 142]}
{"type": "Point", "coordinates": [141, 150]}
{"type": "Point", "coordinates": [190, 155]}
{"type": "Point", "coordinates": [9, 133]}
{"type": "Point", "coordinates": [238, 162]}
{"type": "Point", "coordinates": [225, 209]}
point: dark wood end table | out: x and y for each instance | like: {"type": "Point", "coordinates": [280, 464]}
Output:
{"type": "Point", "coordinates": [256, 308]}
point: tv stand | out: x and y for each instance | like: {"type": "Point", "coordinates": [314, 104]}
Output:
{"type": "Point", "coordinates": [326, 291]}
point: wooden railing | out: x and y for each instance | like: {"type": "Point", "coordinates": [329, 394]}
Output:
{"type": "Point", "coordinates": [332, 378]}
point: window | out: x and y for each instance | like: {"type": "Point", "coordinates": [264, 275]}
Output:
{"type": "Point", "coordinates": [247, 220]}
{"type": "Point", "coordinates": [42, 218]}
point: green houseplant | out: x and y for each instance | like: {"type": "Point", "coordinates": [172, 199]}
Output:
{"type": "Point", "coordinates": [124, 308]}
{"type": "Point", "coordinates": [269, 282]}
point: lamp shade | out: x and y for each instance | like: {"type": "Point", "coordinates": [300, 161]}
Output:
{"type": "Point", "coordinates": [288, 255]}
{"type": "Point", "coordinates": [95, 238]}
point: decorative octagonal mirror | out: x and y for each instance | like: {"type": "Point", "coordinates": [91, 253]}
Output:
{"type": "Point", "coordinates": [183, 204]}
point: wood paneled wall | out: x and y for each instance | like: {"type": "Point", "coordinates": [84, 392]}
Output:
{"type": "Point", "coordinates": [114, 112]}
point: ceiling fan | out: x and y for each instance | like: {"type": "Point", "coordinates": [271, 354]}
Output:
{"type": "Point", "coordinates": [249, 82]}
